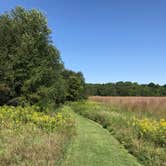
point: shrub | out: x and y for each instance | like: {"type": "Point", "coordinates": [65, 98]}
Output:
{"type": "Point", "coordinates": [4, 94]}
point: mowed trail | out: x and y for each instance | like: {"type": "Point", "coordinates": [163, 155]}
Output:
{"type": "Point", "coordinates": [94, 146]}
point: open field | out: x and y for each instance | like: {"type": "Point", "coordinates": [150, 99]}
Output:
{"type": "Point", "coordinates": [134, 122]}
{"type": "Point", "coordinates": [152, 105]}
{"type": "Point", "coordinates": [30, 137]}
{"type": "Point", "coordinates": [60, 137]}
{"type": "Point", "coordinates": [129, 99]}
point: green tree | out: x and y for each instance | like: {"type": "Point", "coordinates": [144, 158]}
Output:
{"type": "Point", "coordinates": [75, 85]}
{"type": "Point", "coordinates": [125, 89]}
{"type": "Point", "coordinates": [30, 66]}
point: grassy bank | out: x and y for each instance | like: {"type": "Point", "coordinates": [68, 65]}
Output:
{"type": "Point", "coordinates": [143, 133]}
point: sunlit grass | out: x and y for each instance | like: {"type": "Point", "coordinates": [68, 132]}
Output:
{"type": "Point", "coordinates": [30, 137]}
{"type": "Point", "coordinates": [143, 134]}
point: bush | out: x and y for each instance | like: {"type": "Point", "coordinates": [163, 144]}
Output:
{"type": "Point", "coordinates": [4, 94]}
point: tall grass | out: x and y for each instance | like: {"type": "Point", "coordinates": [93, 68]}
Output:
{"type": "Point", "coordinates": [29, 137]}
{"type": "Point", "coordinates": [155, 106]}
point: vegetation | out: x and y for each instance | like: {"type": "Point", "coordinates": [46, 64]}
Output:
{"type": "Point", "coordinates": [29, 137]}
{"type": "Point", "coordinates": [125, 89]}
{"type": "Point", "coordinates": [94, 146]}
{"type": "Point", "coordinates": [31, 70]}
{"type": "Point", "coordinates": [14, 117]}
{"type": "Point", "coordinates": [34, 81]}
{"type": "Point", "coordinates": [142, 133]}
{"type": "Point", "coordinates": [151, 106]}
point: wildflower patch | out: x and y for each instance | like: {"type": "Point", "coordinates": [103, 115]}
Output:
{"type": "Point", "coordinates": [14, 117]}
{"type": "Point", "coordinates": [151, 129]}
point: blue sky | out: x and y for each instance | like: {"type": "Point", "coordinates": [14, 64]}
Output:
{"type": "Point", "coordinates": [108, 40]}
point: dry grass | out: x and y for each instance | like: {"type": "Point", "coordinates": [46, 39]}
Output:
{"type": "Point", "coordinates": [28, 137]}
{"type": "Point", "coordinates": [153, 105]}
{"type": "Point", "coordinates": [30, 146]}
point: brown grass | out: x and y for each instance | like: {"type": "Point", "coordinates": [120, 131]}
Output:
{"type": "Point", "coordinates": [154, 105]}
{"type": "Point", "coordinates": [30, 146]}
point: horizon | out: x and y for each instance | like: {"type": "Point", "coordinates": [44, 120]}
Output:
{"type": "Point", "coordinates": [125, 82]}
{"type": "Point", "coordinates": [110, 41]}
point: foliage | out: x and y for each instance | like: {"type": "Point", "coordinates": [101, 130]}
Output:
{"type": "Point", "coordinates": [125, 89]}
{"type": "Point", "coordinates": [30, 65]}
{"type": "Point", "coordinates": [143, 136]}
{"type": "Point", "coordinates": [4, 93]}
{"type": "Point", "coordinates": [75, 85]}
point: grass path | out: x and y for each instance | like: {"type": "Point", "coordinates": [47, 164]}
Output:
{"type": "Point", "coordinates": [94, 146]}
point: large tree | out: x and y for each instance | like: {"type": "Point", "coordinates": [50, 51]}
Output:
{"type": "Point", "coordinates": [30, 66]}
{"type": "Point", "coordinates": [75, 85]}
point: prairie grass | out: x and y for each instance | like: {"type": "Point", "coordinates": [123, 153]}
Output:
{"type": "Point", "coordinates": [155, 106]}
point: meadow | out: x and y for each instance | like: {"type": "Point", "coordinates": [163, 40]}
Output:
{"type": "Point", "coordinates": [41, 99]}
{"type": "Point", "coordinates": [31, 137]}
{"type": "Point", "coordinates": [138, 123]}
{"type": "Point", "coordinates": [146, 105]}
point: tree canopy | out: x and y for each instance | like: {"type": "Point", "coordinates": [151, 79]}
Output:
{"type": "Point", "coordinates": [31, 69]}
{"type": "Point", "coordinates": [125, 89]}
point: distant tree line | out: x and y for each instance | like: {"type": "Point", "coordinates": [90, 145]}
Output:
{"type": "Point", "coordinates": [31, 69]}
{"type": "Point", "coordinates": [125, 89]}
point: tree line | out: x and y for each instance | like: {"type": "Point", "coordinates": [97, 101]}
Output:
{"type": "Point", "coordinates": [31, 69]}
{"type": "Point", "coordinates": [125, 89]}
